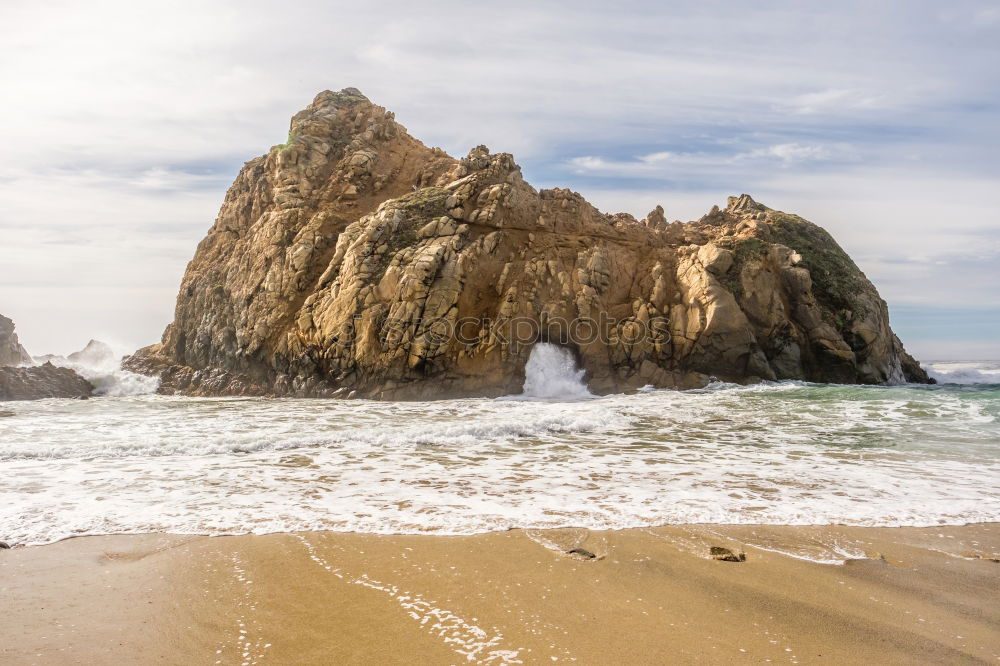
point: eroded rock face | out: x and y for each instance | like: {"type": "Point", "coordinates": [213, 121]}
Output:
{"type": "Point", "coordinates": [354, 260]}
{"type": "Point", "coordinates": [11, 351]}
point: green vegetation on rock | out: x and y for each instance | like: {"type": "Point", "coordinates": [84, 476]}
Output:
{"type": "Point", "coordinates": [836, 278]}
{"type": "Point", "coordinates": [426, 203]}
{"type": "Point", "coordinates": [744, 251]}
{"type": "Point", "coordinates": [292, 135]}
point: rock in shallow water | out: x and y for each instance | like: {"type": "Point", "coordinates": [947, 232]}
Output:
{"type": "Point", "coordinates": [726, 555]}
{"type": "Point", "coordinates": [42, 381]}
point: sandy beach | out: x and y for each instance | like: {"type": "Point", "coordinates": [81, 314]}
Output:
{"type": "Point", "coordinates": [648, 596]}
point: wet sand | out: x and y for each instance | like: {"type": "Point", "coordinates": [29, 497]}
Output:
{"type": "Point", "coordinates": [649, 596]}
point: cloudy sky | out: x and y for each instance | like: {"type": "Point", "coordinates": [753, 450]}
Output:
{"type": "Point", "coordinates": [123, 123]}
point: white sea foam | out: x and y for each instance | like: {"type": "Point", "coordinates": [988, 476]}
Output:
{"type": "Point", "coordinates": [464, 637]}
{"type": "Point", "coordinates": [551, 373]}
{"type": "Point", "coordinates": [964, 372]}
{"type": "Point", "coordinates": [100, 364]}
{"type": "Point", "coordinates": [787, 453]}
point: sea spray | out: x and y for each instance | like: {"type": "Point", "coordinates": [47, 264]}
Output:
{"type": "Point", "coordinates": [964, 372]}
{"type": "Point", "coordinates": [551, 373]}
{"type": "Point", "coordinates": [99, 364]}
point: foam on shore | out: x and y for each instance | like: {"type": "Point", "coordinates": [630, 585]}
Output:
{"type": "Point", "coordinates": [790, 453]}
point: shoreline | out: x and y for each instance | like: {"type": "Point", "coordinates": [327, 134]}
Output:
{"type": "Point", "coordinates": [449, 535]}
{"type": "Point", "coordinates": [649, 595]}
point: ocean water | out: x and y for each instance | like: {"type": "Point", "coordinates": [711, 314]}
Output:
{"type": "Point", "coordinates": [556, 456]}
{"type": "Point", "coordinates": [964, 372]}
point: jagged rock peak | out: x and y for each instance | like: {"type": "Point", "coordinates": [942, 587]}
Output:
{"type": "Point", "coordinates": [346, 96]}
{"type": "Point", "coordinates": [743, 203]}
{"type": "Point", "coordinates": [329, 103]}
{"type": "Point", "coordinates": [341, 115]}
{"type": "Point", "coordinates": [656, 216]}
{"type": "Point", "coordinates": [11, 350]}
{"type": "Point", "coordinates": [94, 353]}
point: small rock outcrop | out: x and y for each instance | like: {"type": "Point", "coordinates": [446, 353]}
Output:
{"type": "Point", "coordinates": [354, 260]}
{"type": "Point", "coordinates": [11, 351]}
{"type": "Point", "coordinates": [726, 555]}
{"type": "Point", "coordinates": [42, 381]}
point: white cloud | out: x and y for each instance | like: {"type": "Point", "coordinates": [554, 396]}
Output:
{"type": "Point", "coordinates": [591, 163]}
{"type": "Point", "coordinates": [171, 180]}
{"type": "Point", "coordinates": [987, 16]}
{"type": "Point", "coordinates": [791, 152]}
{"type": "Point", "coordinates": [656, 158]}
{"type": "Point", "coordinates": [666, 164]}
{"type": "Point", "coordinates": [834, 100]}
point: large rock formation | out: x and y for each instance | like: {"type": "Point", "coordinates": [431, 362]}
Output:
{"type": "Point", "coordinates": [11, 351]}
{"type": "Point", "coordinates": [355, 260]}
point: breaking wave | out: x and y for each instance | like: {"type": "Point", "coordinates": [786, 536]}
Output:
{"type": "Point", "coordinates": [551, 373]}
{"type": "Point", "coordinates": [99, 364]}
{"type": "Point", "coordinates": [964, 372]}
